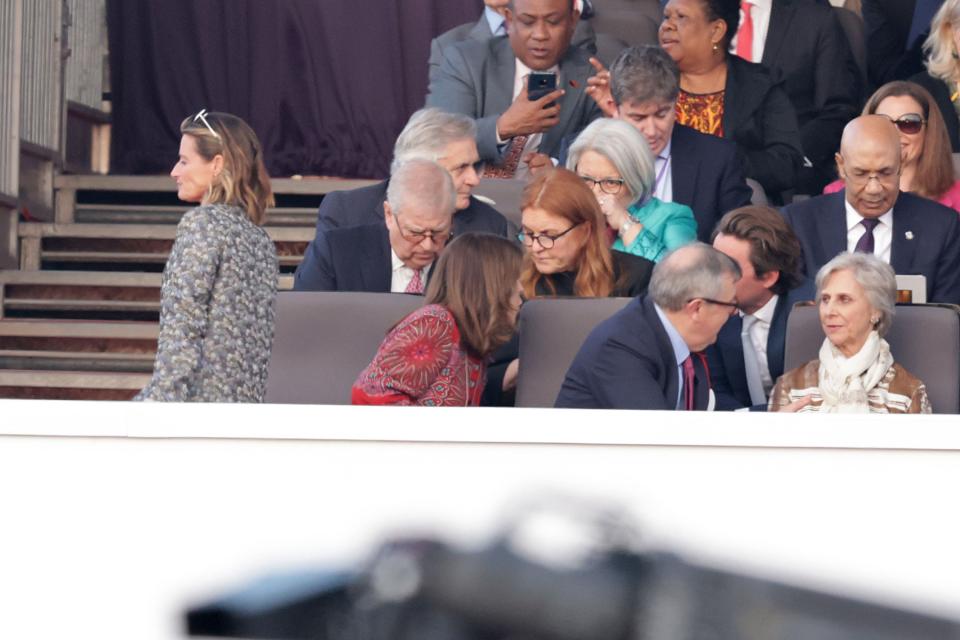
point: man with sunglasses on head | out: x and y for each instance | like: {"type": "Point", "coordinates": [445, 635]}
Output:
{"type": "Point", "coordinates": [647, 355]}
{"type": "Point", "coordinates": [396, 254]}
{"type": "Point", "coordinates": [914, 235]}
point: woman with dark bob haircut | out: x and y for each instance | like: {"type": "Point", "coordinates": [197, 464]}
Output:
{"type": "Point", "coordinates": [437, 355]}
{"type": "Point", "coordinates": [926, 167]}
{"type": "Point", "coordinates": [219, 284]}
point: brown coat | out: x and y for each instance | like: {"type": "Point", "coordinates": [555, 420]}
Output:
{"type": "Point", "coordinates": [897, 392]}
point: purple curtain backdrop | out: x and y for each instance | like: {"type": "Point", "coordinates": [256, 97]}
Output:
{"type": "Point", "coordinates": [326, 84]}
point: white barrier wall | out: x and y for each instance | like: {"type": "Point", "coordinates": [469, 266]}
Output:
{"type": "Point", "coordinates": [113, 537]}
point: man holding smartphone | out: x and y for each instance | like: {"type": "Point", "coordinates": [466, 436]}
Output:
{"type": "Point", "coordinates": [488, 81]}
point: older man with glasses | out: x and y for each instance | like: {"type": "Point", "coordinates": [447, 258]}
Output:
{"type": "Point", "coordinates": [394, 255]}
{"type": "Point", "coordinates": [914, 235]}
{"type": "Point", "coordinates": [647, 355]}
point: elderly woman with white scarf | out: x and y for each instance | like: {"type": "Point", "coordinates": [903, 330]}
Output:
{"type": "Point", "coordinates": [855, 372]}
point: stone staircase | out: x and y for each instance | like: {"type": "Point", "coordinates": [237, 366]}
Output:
{"type": "Point", "coordinates": [79, 319]}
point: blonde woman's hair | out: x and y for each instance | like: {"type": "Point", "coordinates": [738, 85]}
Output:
{"type": "Point", "coordinates": [938, 48]}
{"type": "Point", "coordinates": [244, 181]}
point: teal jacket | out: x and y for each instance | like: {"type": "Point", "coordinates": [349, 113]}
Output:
{"type": "Point", "coordinates": [666, 226]}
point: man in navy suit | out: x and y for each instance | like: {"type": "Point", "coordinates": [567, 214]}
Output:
{"type": "Point", "coordinates": [431, 134]}
{"type": "Point", "coordinates": [396, 254]}
{"type": "Point", "coordinates": [691, 168]}
{"type": "Point", "coordinates": [646, 356]}
{"type": "Point", "coordinates": [748, 356]}
{"type": "Point", "coordinates": [913, 234]}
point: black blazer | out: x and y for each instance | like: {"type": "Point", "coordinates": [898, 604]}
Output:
{"type": "Point", "coordinates": [926, 239]}
{"type": "Point", "coordinates": [758, 116]}
{"type": "Point", "coordinates": [941, 95]}
{"type": "Point", "coordinates": [887, 26]}
{"type": "Point", "coordinates": [347, 259]}
{"type": "Point", "coordinates": [807, 49]}
{"type": "Point", "coordinates": [631, 275]}
{"type": "Point", "coordinates": [365, 206]}
{"type": "Point", "coordinates": [627, 362]}
{"type": "Point", "coordinates": [707, 177]}
{"type": "Point", "coordinates": [725, 357]}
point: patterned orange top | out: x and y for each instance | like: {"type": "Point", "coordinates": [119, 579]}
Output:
{"type": "Point", "coordinates": [701, 111]}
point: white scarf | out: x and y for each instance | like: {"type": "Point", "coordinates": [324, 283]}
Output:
{"type": "Point", "coordinates": [845, 382]}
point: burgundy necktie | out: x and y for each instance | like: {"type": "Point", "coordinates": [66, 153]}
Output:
{"type": "Point", "coordinates": [511, 160]}
{"type": "Point", "coordinates": [416, 283]}
{"type": "Point", "coordinates": [745, 34]}
{"type": "Point", "coordinates": [688, 381]}
{"type": "Point", "coordinates": [865, 243]}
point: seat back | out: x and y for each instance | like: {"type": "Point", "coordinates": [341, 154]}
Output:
{"type": "Point", "coordinates": [924, 339]}
{"type": "Point", "coordinates": [551, 333]}
{"type": "Point", "coordinates": [323, 340]}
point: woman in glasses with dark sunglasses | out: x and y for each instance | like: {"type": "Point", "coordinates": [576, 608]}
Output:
{"type": "Point", "coordinates": [613, 158]}
{"type": "Point", "coordinates": [219, 284]}
{"type": "Point", "coordinates": [568, 250]}
{"type": "Point", "coordinates": [926, 165]}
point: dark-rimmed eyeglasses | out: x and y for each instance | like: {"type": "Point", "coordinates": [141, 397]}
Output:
{"type": "Point", "coordinates": [733, 306]}
{"type": "Point", "coordinates": [544, 240]}
{"type": "Point", "coordinates": [610, 186]}
{"type": "Point", "coordinates": [439, 236]}
{"type": "Point", "coordinates": [202, 117]}
{"type": "Point", "coordinates": [909, 123]}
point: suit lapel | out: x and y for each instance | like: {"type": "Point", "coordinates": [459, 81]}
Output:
{"type": "Point", "coordinates": [684, 174]}
{"type": "Point", "coordinates": [781, 14]}
{"type": "Point", "coordinates": [481, 30]}
{"type": "Point", "coordinates": [902, 249]}
{"type": "Point", "coordinates": [571, 69]}
{"type": "Point", "coordinates": [832, 228]}
{"type": "Point", "coordinates": [499, 77]}
{"type": "Point", "coordinates": [701, 382]}
{"type": "Point", "coordinates": [376, 269]}
{"type": "Point", "coordinates": [667, 357]}
{"type": "Point", "coordinates": [730, 346]}
{"type": "Point", "coordinates": [777, 338]}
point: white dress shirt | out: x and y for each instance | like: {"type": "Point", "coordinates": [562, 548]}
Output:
{"type": "Point", "coordinates": [663, 170]}
{"type": "Point", "coordinates": [680, 350]}
{"type": "Point", "coordinates": [760, 12]}
{"type": "Point", "coordinates": [882, 233]}
{"type": "Point", "coordinates": [759, 333]}
{"type": "Point", "coordinates": [402, 274]}
{"type": "Point", "coordinates": [496, 22]}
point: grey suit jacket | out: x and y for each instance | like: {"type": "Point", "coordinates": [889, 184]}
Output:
{"type": "Point", "coordinates": [479, 31]}
{"type": "Point", "coordinates": [476, 79]}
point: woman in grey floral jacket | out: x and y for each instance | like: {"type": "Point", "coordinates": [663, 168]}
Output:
{"type": "Point", "coordinates": [219, 285]}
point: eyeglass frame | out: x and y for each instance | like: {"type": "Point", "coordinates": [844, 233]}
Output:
{"type": "Point", "coordinates": [593, 181]}
{"type": "Point", "coordinates": [202, 116]}
{"type": "Point", "coordinates": [538, 237]}
{"type": "Point", "coordinates": [733, 305]}
{"type": "Point", "coordinates": [901, 122]}
{"type": "Point", "coordinates": [419, 236]}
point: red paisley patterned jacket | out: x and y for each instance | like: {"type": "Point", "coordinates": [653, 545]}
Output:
{"type": "Point", "coordinates": [422, 362]}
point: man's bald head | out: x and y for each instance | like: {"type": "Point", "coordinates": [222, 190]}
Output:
{"type": "Point", "coordinates": [869, 163]}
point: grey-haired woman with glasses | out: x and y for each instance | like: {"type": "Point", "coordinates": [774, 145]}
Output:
{"type": "Point", "coordinates": [613, 158]}
{"type": "Point", "coordinates": [219, 285]}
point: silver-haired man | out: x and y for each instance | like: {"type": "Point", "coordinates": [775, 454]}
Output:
{"type": "Point", "coordinates": [646, 356]}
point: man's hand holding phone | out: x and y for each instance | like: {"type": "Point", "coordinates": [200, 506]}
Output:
{"type": "Point", "coordinates": [526, 116]}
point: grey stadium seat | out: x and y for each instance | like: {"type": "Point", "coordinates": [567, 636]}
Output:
{"type": "Point", "coordinates": [323, 340]}
{"type": "Point", "coordinates": [924, 338]}
{"type": "Point", "coordinates": [551, 332]}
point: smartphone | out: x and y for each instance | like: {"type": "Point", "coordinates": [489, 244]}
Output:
{"type": "Point", "coordinates": [540, 84]}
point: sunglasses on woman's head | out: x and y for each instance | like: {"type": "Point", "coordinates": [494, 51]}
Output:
{"type": "Point", "coordinates": [202, 117]}
{"type": "Point", "coordinates": [909, 123]}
